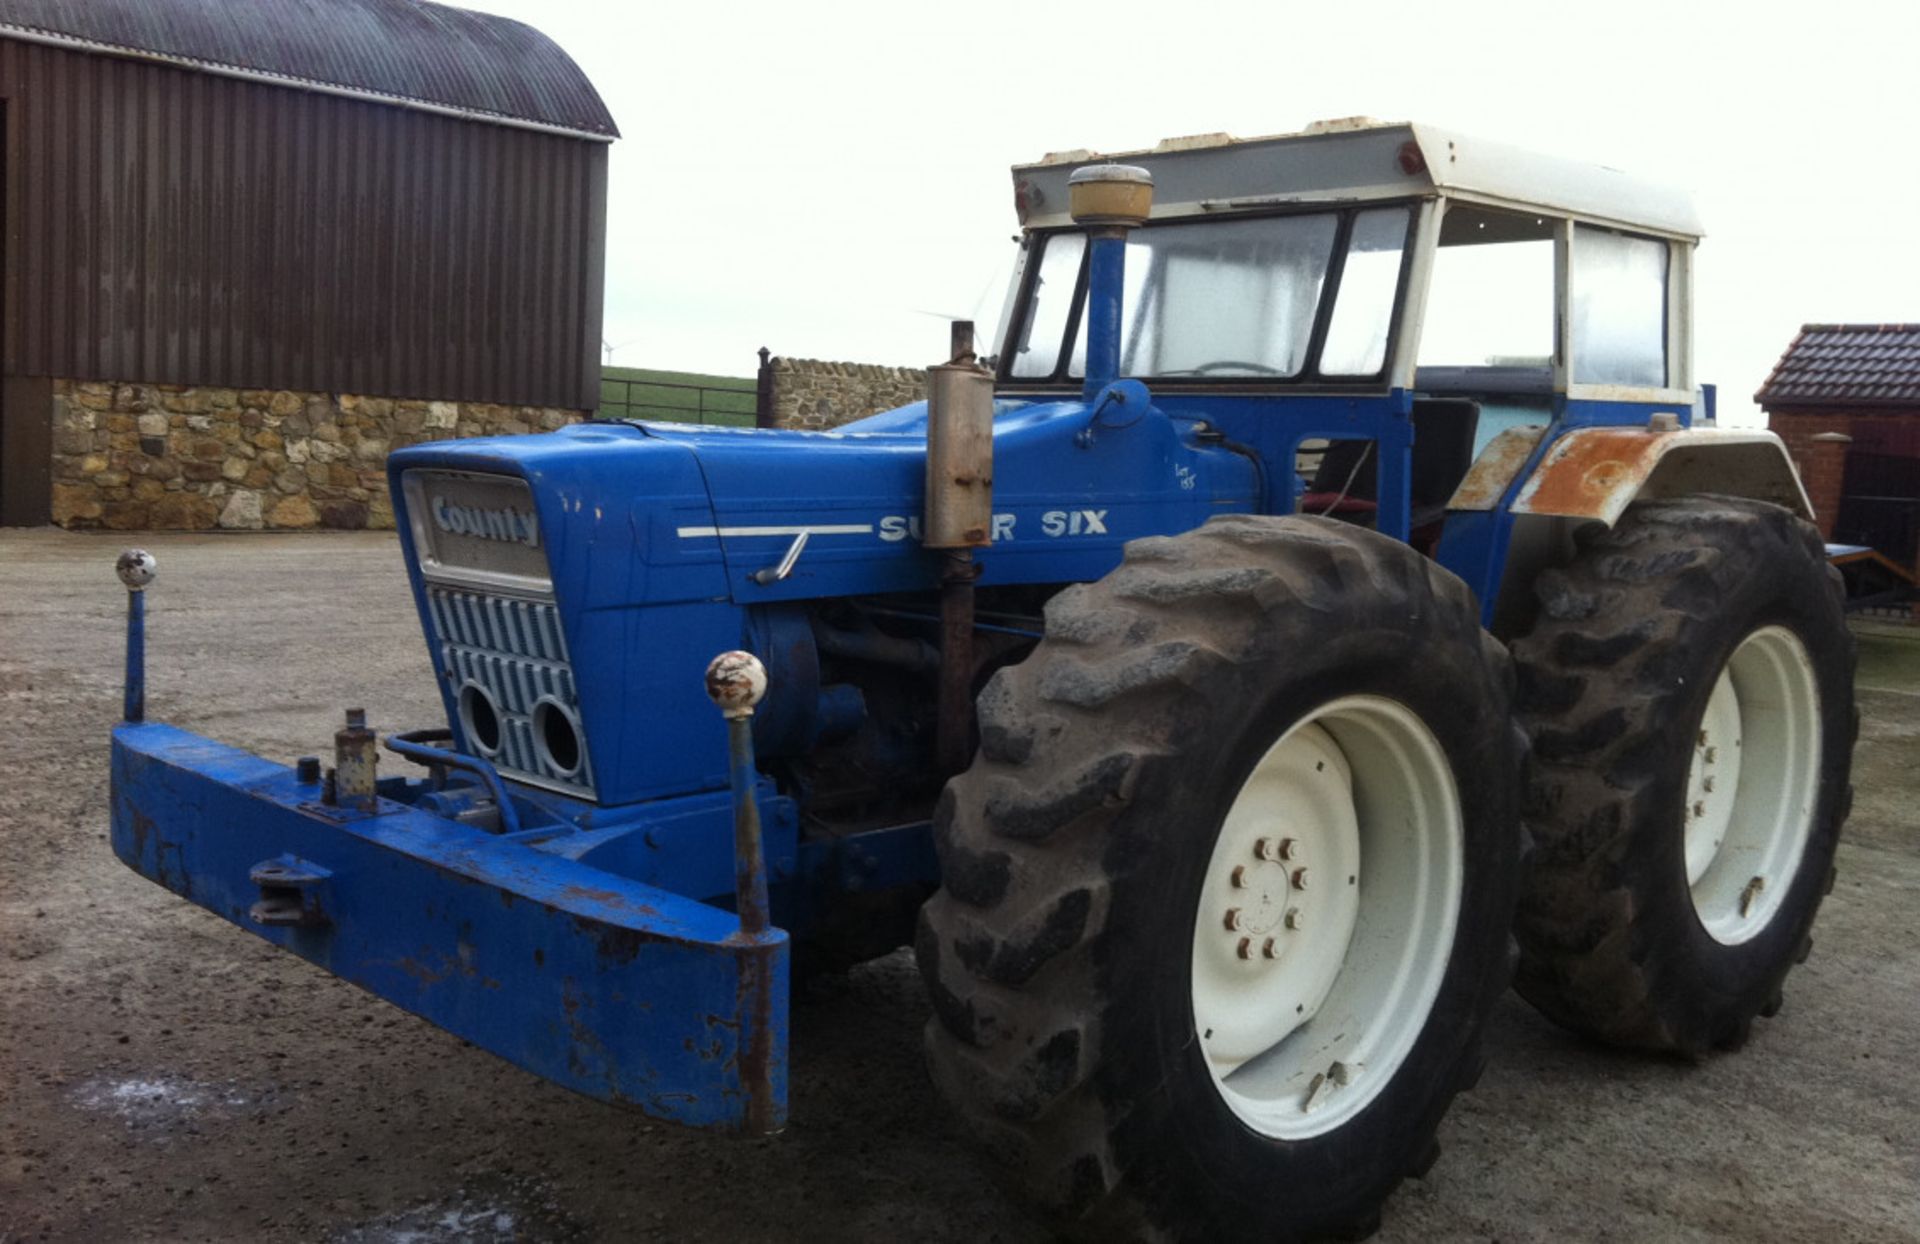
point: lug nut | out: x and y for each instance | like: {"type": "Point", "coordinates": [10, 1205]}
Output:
{"type": "Point", "coordinates": [1700, 807]}
{"type": "Point", "coordinates": [1239, 876]}
{"type": "Point", "coordinates": [1267, 849]}
{"type": "Point", "coordinates": [1270, 950]}
{"type": "Point", "coordinates": [1288, 848]}
{"type": "Point", "coordinates": [1299, 878]}
{"type": "Point", "coordinates": [1233, 919]}
{"type": "Point", "coordinates": [1294, 919]}
{"type": "Point", "coordinates": [1711, 753]}
{"type": "Point", "coordinates": [1246, 948]}
{"type": "Point", "coordinates": [1707, 785]}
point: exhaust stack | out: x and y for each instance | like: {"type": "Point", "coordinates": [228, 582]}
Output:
{"type": "Point", "coordinates": [958, 519]}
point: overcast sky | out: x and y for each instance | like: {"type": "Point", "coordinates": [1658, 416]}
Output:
{"type": "Point", "coordinates": [831, 180]}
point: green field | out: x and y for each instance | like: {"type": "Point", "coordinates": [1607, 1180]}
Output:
{"type": "Point", "coordinates": [676, 396]}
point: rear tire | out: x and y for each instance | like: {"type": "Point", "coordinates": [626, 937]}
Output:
{"type": "Point", "coordinates": [1688, 687]}
{"type": "Point", "coordinates": [1251, 682]}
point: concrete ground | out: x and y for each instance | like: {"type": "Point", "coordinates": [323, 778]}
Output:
{"type": "Point", "coordinates": [165, 1076]}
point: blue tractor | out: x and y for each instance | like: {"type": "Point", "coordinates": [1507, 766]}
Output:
{"type": "Point", "coordinates": [1330, 603]}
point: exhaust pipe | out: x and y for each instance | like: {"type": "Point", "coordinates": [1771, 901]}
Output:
{"type": "Point", "coordinates": [958, 519]}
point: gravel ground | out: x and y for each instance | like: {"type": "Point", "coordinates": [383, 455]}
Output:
{"type": "Point", "coordinates": [165, 1076]}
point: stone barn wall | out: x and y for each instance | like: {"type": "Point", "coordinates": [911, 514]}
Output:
{"type": "Point", "coordinates": [168, 457]}
{"type": "Point", "coordinates": [814, 394]}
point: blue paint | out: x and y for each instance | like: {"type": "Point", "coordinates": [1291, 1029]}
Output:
{"type": "Point", "coordinates": [133, 704]}
{"type": "Point", "coordinates": [1106, 278]}
{"type": "Point", "coordinates": [489, 777]}
{"type": "Point", "coordinates": [1501, 416]}
{"type": "Point", "coordinates": [749, 862]}
{"type": "Point", "coordinates": [610, 987]}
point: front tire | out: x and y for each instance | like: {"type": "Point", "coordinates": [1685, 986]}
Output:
{"type": "Point", "coordinates": [1160, 1026]}
{"type": "Point", "coordinates": [1688, 687]}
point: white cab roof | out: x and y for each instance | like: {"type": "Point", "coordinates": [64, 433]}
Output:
{"type": "Point", "coordinates": [1358, 160]}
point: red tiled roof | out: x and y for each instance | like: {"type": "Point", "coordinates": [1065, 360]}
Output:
{"type": "Point", "coordinates": [1847, 365]}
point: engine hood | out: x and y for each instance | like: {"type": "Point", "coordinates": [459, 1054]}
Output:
{"type": "Point", "coordinates": [647, 538]}
{"type": "Point", "coordinates": [1067, 496]}
{"type": "Point", "coordinates": [662, 512]}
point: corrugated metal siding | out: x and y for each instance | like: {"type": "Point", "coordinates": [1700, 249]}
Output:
{"type": "Point", "coordinates": [176, 227]}
{"type": "Point", "coordinates": [430, 53]}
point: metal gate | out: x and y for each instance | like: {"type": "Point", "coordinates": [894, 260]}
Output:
{"type": "Point", "coordinates": [1880, 492]}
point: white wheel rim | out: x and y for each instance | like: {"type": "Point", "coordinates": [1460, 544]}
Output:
{"type": "Point", "coordinates": [1310, 988]}
{"type": "Point", "coordinates": [1752, 784]}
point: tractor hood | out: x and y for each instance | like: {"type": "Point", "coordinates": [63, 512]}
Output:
{"type": "Point", "coordinates": [658, 512]}
{"type": "Point", "coordinates": [642, 544]}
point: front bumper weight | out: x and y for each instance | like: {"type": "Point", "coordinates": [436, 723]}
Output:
{"type": "Point", "coordinates": [613, 988]}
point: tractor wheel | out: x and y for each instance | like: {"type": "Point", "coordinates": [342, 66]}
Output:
{"type": "Point", "coordinates": [1227, 892]}
{"type": "Point", "coordinates": [1688, 686]}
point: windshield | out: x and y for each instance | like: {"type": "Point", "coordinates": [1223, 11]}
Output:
{"type": "Point", "coordinates": [1228, 298]}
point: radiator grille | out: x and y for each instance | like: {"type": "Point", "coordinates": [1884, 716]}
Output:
{"type": "Point", "coordinates": [514, 650]}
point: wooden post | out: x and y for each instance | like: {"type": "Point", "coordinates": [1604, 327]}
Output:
{"type": "Point", "coordinates": [763, 391]}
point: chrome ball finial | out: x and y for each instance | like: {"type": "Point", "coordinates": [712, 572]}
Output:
{"type": "Point", "coordinates": [136, 568]}
{"type": "Point", "coordinates": [735, 682]}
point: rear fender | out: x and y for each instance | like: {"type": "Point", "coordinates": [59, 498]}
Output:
{"type": "Point", "coordinates": [1596, 473]}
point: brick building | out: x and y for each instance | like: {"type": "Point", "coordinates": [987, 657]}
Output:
{"type": "Point", "coordinates": [1846, 400]}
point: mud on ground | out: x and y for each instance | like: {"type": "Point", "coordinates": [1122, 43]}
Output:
{"type": "Point", "coordinates": [166, 1076]}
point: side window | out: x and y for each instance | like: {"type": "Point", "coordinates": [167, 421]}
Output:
{"type": "Point", "coordinates": [1356, 342]}
{"type": "Point", "coordinates": [1038, 352]}
{"type": "Point", "coordinates": [1490, 302]}
{"type": "Point", "coordinates": [1619, 308]}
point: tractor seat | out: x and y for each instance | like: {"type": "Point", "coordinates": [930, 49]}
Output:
{"type": "Point", "coordinates": [1346, 483]}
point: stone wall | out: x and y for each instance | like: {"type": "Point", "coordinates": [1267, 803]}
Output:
{"type": "Point", "coordinates": [814, 394]}
{"type": "Point", "coordinates": [156, 456]}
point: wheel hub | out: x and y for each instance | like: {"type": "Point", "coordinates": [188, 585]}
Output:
{"type": "Point", "coordinates": [1713, 778]}
{"type": "Point", "coordinates": [1752, 785]}
{"type": "Point", "coordinates": [1310, 980]}
{"type": "Point", "coordinates": [1274, 889]}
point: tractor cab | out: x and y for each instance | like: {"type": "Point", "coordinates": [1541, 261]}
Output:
{"type": "Point", "coordinates": [1364, 257]}
{"type": "Point", "coordinates": [1407, 321]}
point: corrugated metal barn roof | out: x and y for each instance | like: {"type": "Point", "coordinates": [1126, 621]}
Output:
{"type": "Point", "coordinates": [404, 51]}
{"type": "Point", "coordinates": [1847, 365]}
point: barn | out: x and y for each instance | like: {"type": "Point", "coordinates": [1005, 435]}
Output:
{"type": "Point", "coordinates": [1846, 400]}
{"type": "Point", "coordinates": [251, 248]}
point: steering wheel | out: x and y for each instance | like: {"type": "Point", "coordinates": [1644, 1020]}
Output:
{"type": "Point", "coordinates": [1258, 369]}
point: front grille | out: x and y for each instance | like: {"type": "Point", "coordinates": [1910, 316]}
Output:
{"type": "Point", "coordinates": [513, 650]}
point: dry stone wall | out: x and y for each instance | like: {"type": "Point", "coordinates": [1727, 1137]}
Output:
{"type": "Point", "coordinates": [814, 394]}
{"type": "Point", "coordinates": [155, 456]}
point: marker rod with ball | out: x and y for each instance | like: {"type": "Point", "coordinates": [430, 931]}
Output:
{"type": "Point", "coordinates": [136, 568]}
{"type": "Point", "coordinates": [735, 682]}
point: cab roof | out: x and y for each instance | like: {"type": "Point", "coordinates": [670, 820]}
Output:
{"type": "Point", "coordinates": [1361, 159]}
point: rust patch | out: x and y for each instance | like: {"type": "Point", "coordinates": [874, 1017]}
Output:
{"type": "Point", "coordinates": [1494, 470]}
{"type": "Point", "coordinates": [607, 898]}
{"type": "Point", "coordinates": [736, 681]}
{"type": "Point", "coordinates": [753, 1000]}
{"type": "Point", "coordinates": [142, 828]}
{"type": "Point", "coordinates": [1587, 470]}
